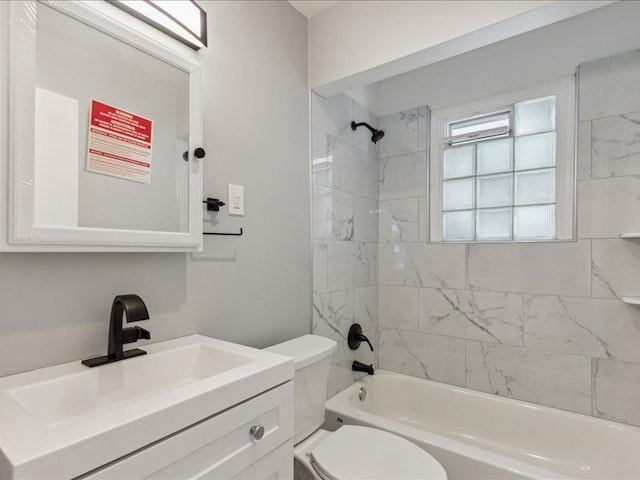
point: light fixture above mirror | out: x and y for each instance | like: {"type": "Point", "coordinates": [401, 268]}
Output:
{"type": "Point", "coordinates": [183, 20]}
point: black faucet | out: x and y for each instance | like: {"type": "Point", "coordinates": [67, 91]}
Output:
{"type": "Point", "coordinates": [357, 366]}
{"type": "Point", "coordinates": [135, 310]}
{"type": "Point", "coordinates": [355, 337]}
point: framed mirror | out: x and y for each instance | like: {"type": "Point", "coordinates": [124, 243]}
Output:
{"type": "Point", "coordinates": [100, 126]}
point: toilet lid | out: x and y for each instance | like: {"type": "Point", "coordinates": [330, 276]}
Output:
{"type": "Point", "coordinates": [359, 453]}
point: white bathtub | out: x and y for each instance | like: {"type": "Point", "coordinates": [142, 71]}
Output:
{"type": "Point", "coordinates": [480, 436]}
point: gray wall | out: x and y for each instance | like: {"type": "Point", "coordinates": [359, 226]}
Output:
{"type": "Point", "coordinates": [256, 105]}
{"type": "Point", "coordinates": [54, 307]}
{"type": "Point", "coordinates": [538, 322]}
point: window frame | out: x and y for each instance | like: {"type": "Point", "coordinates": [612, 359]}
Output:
{"type": "Point", "coordinates": [566, 131]}
{"type": "Point", "coordinates": [489, 134]}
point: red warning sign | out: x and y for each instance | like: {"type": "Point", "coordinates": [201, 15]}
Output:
{"type": "Point", "coordinates": [119, 143]}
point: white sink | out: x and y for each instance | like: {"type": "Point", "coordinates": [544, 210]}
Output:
{"type": "Point", "coordinates": [76, 418]}
{"type": "Point", "coordinates": [95, 390]}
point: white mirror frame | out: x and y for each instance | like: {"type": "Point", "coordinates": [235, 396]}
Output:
{"type": "Point", "coordinates": [19, 232]}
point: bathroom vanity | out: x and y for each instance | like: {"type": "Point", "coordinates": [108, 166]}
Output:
{"type": "Point", "coordinates": [193, 407]}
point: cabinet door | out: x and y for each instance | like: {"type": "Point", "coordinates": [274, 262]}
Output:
{"type": "Point", "coordinates": [278, 465]}
{"type": "Point", "coordinates": [100, 117]}
{"type": "Point", "coordinates": [220, 447]}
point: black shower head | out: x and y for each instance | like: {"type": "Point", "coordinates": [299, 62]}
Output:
{"type": "Point", "coordinates": [375, 134]}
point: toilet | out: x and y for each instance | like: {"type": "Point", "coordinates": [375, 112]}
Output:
{"type": "Point", "coordinates": [352, 452]}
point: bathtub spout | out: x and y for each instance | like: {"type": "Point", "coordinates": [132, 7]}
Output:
{"type": "Point", "coordinates": [362, 367]}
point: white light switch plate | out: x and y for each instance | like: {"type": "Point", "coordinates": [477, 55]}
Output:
{"type": "Point", "coordinates": [236, 199]}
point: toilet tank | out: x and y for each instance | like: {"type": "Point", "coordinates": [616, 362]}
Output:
{"type": "Point", "coordinates": [312, 361]}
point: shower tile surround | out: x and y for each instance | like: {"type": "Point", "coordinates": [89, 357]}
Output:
{"type": "Point", "coordinates": [345, 231]}
{"type": "Point", "coordinates": [540, 322]}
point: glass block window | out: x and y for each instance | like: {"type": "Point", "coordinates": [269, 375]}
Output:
{"type": "Point", "coordinates": [499, 174]}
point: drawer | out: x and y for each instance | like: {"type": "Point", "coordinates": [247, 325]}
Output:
{"type": "Point", "coordinates": [219, 447]}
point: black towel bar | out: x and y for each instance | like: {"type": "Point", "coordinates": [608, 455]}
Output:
{"type": "Point", "coordinates": [219, 233]}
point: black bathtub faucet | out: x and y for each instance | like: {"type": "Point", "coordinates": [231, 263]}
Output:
{"type": "Point", "coordinates": [356, 337]}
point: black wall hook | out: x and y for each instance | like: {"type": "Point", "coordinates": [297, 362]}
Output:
{"type": "Point", "coordinates": [213, 204]}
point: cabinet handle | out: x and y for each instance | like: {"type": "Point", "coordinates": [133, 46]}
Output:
{"type": "Point", "coordinates": [198, 153]}
{"type": "Point", "coordinates": [257, 432]}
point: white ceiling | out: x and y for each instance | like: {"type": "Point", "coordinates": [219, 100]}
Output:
{"type": "Point", "coordinates": [309, 8]}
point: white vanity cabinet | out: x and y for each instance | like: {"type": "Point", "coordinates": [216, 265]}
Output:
{"type": "Point", "coordinates": [192, 407]}
{"type": "Point", "coordinates": [220, 447]}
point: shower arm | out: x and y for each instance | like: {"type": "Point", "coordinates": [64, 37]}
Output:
{"type": "Point", "coordinates": [355, 125]}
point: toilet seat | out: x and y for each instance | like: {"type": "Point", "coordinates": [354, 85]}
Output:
{"type": "Point", "coordinates": [359, 453]}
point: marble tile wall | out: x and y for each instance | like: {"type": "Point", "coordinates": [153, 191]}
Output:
{"type": "Point", "coordinates": [345, 231]}
{"type": "Point", "coordinates": [537, 322]}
